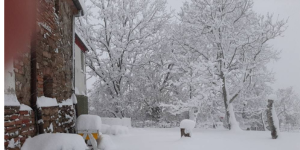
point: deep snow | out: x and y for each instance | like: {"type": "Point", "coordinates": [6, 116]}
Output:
{"type": "Point", "coordinates": [218, 139]}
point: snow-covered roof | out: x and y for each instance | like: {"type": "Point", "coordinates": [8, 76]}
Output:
{"type": "Point", "coordinates": [11, 100]}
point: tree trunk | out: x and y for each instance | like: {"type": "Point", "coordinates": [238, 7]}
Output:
{"type": "Point", "coordinates": [183, 134]}
{"type": "Point", "coordinates": [273, 123]}
{"type": "Point", "coordinates": [234, 125]}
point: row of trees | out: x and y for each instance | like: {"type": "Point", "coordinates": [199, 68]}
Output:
{"type": "Point", "coordinates": [152, 64]}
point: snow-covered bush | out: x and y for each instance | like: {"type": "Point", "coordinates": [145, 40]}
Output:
{"type": "Point", "coordinates": [187, 125]}
{"type": "Point", "coordinates": [55, 141]}
{"type": "Point", "coordinates": [88, 122]}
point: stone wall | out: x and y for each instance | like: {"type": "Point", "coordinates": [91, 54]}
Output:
{"type": "Point", "coordinates": [54, 49]}
{"type": "Point", "coordinates": [19, 125]}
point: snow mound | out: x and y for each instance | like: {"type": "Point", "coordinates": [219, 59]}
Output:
{"type": "Point", "coordinates": [11, 100]}
{"type": "Point", "coordinates": [88, 122]}
{"type": "Point", "coordinates": [105, 143]}
{"type": "Point", "coordinates": [55, 141]}
{"type": "Point", "coordinates": [46, 102]}
{"type": "Point", "coordinates": [104, 128]}
{"type": "Point", "coordinates": [188, 125]}
{"type": "Point", "coordinates": [117, 130]}
{"type": "Point", "coordinates": [25, 107]}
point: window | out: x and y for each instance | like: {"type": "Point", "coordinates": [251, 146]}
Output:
{"type": "Point", "coordinates": [82, 61]}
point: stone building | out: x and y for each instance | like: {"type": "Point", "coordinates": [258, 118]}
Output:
{"type": "Point", "coordinates": [39, 82]}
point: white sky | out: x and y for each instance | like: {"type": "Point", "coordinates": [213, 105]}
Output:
{"type": "Point", "coordinates": [287, 69]}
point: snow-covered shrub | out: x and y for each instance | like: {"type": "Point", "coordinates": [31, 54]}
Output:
{"type": "Point", "coordinates": [55, 141]}
{"type": "Point", "coordinates": [105, 142]}
{"type": "Point", "coordinates": [117, 130]}
{"type": "Point", "coordinates": [187, 125]}
{"type": "Point", "coordinates": [88, 122]}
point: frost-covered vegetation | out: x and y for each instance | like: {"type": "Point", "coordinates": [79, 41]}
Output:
{"type": "Point", "coordinates": [207, 63]}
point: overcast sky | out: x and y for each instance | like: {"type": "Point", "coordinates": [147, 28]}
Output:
{"type": "Point", "coordinates": [287, 69]}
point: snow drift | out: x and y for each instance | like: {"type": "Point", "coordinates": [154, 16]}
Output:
{"type": "Point", "coordinates": [55, 141]}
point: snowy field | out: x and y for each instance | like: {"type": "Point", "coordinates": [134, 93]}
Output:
{"type": "Point", "coordinates": [169, 139]}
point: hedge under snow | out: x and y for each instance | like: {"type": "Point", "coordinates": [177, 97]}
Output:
{"type": "Point", "coordinates": [55, 141]}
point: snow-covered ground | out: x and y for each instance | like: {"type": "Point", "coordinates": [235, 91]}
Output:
{"type": "Point", "coordinates": [169, 139]}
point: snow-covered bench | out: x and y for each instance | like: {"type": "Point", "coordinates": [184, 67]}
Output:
{"type": "Point", "coordinates": [89, 127]}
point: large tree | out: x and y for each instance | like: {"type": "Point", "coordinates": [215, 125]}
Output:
{"type": "Point", "coordinates": [120, 34]}
{"type": "Point", "coordinates": [231, 36]}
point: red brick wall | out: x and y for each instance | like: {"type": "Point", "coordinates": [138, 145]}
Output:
{"type": "Point", "coordinates": [53, 47]}
{"type": "Point", "coordinates": [18, 125]}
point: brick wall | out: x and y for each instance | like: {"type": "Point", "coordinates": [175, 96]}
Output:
{"type": "Point", "coordinates": [19, 125]}
{"type": "Point", "coordinates": [53, 66]}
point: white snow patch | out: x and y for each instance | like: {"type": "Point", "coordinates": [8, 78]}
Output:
{"type": "Point", "coordinates": [104, 128]}
{"type": "Point", "coordinates": [55, 141]}
{"type": "Point", "coordinates": [46, 102]}
{"type": "Point", "coordinates": [11, 100]}
{"type": "Point", "coordinates": [11, 143]}
{"type": "Point", "coordinates": [117, 130]}
{"type": "Point", "coordinates": [74, 99]}
{"type": "Point", "coordinates": [188, 125]}
{"type": "Point", "coordinates": [88, 122]}
{"type": "Point", "coordinates": [67, 102]}
{"type": "Point", "coordinates": [235, 126]}
{"type": "Point", "coordinates": [272, 97]}
{"type": "Point", "coordinates": [24, 107]}
{"type": "Point", "coordinates": [275, 120]}
{"type": "Point", "coordinates": [105, 142]}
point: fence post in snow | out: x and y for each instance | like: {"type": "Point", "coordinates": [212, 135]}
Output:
{"type": "Point", "coordinates": [272, 119]}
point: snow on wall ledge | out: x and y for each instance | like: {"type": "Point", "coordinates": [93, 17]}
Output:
{"type": "Point", "coordinates": [25, 108]}
{"type": "Point", "coordinates": [46, 102]}
{"type": "Point", "coordinates": [11, 100]}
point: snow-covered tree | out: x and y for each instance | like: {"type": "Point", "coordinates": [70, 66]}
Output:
{"type": "Point", "coordinates": [119, 35]}
{"type": "Point", "coordinates": [233, 38]}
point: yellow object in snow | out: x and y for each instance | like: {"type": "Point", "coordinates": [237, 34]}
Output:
{"type": "Point", "coordinates": [95, 135]}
